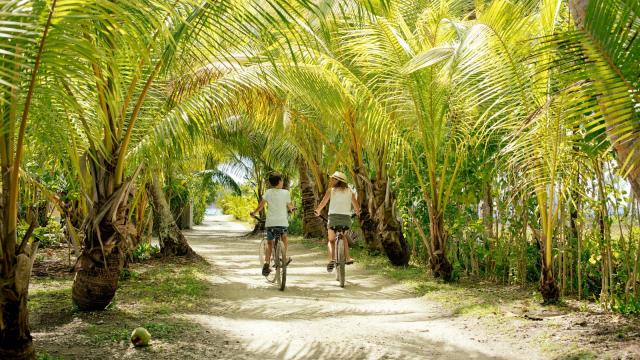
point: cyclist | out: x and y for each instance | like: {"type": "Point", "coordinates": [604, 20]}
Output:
{"type": "Point", "coordinates": [340, 198]}
{"type": "Point", "coordinates": [278, 201]}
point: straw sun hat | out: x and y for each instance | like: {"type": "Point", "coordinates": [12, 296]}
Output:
{"type": "Point", "coordinates": [339, 176]}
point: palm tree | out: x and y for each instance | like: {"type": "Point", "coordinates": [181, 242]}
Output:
{"type": "Point", "coordinates": [123, 95]}
{"type": "Point", "coordinates": [130, 58]}
{"type": "Point", "coordinates": [412, 62]}
{"type": "Point", "coordinates": [25, 36]}
{"type": "Point", "coordinates": [605, 51]}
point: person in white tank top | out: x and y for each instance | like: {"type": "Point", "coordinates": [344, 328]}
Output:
{"type": "Point", "coordinates": [341, 200]}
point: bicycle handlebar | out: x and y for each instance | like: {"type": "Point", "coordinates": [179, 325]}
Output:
{"type": "Point", "coordinates": [327, 220]}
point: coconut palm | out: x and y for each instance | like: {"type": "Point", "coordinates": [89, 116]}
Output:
{"type": "Point", "coordinates": [603, 54]}
{"type": "Point", "coordinates": [24, 36]}
{"type": "Point", "coordinates": [412, 62]}
{"type": "Point", "coordinates": [131, 58]}
{"type": "Point", "coordinates": [109, 112]}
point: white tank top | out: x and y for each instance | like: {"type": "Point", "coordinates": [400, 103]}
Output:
{"type": "Point", "coordinates": [340, 202]}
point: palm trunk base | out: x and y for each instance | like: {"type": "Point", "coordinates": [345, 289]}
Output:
{"type": "Point", "coordinates": [17, 351]}
{"type": "Point", "coordinates": [396, 247]}
{"type": "Point", "coordinates": [549, 290]}
{"type": "Point", "coordinates": [370, 233]}
{"type": "Point", "coordinates": [257, 229]}
{"type": "Point", "coordinates": [15, 339]}
{"type": "Point", "coordinates": [441, 267]}
{"type": "Point", "coordinates": [175, 244]}
{"type": "Point", "coordinates": [95, 284]}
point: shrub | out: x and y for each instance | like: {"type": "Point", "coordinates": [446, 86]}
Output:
{"type": "Point", "coordinates": [295, 224]}
{"type": "Point", "coordinates": [238, 205]}
{"type": "Point", "coordinates": [144, 251]}
{"type": "Point", "coordinates": [50, 235]}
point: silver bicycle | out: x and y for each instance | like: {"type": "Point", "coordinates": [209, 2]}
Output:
{"type": "Point", "coordinates": [278, 260]}
{"type": "Point", "coordinates": [340, 257]}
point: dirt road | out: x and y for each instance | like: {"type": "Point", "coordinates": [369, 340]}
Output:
{"type": "Point", "coordinates": [371, 318]}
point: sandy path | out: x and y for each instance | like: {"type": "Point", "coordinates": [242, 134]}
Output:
{"type": "Point", "coordinates": [371, 318]}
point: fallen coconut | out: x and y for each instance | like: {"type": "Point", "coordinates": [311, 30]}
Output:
{"type": "Point", "coordinates": [140, 337]}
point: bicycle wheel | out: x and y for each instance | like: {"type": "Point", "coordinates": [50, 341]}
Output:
{"type": "Point", "coordinates": [276, 259]}
{"type": "Point", "coordinates": [283, 267]}
{"type": "Point", "coordinates": [341, 261]}
{"type": "Point", "coordinates": [336, 258]}
{"type": "Point", "coordinates": [262, 251]}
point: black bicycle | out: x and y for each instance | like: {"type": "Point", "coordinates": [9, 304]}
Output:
{"type": "Point", "coordinates": [340, 257]}
{"type": "Point", "coordinates": [278, 260]}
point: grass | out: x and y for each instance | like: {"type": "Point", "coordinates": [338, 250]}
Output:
{"type": "Point", "coordinates": [54, 299]}
{"type": "Point", "coordinates": [163, 288]}
{"type": "Point", "coordinates": [46, 356]}
{"type": "Point", "coordinates": [153, 295]}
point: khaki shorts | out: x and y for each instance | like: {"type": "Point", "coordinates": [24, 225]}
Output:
{"type": "Point", "coordinates": [339, 220]}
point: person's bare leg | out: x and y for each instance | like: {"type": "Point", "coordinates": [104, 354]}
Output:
{"type": "Point", "coordinates": [269, 249]}
{"type": "Point", "coordinates": [332, 244]}
{"type": "Point", "coordinates": [285, 240]}
{"type": "Point", "coordinates": [346, 249]}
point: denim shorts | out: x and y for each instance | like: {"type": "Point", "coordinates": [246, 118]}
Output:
{"type": "Point", "coordinates": [272, 231]}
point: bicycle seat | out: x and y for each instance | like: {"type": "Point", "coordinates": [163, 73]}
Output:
{"type": "Point", "coordinates": [340, 228]}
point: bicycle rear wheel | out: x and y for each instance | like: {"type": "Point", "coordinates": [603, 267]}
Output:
{"type": "Point", "coordinates": [283, 267]}
{"type": "Point", "coordinates": [340, 264]}
{"type": "Point", "coordinates": [276, 259]}
{"type": "Point", "coordinates": [262, 251]}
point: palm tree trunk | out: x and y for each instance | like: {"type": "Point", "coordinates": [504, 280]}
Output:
{"type": "Point", "coordinates": [440, 266]}
{"type": "Point", "coordinates": [15, 335]}
{"type": "Point", "coordinates": [548, 287]}
{"type": "Point", "coordinates": [172, 241]}
{"type": "Point", "coordinates": [106, 231]}
{"type": "Point", "coordinates": [389, 227]}
{"type": "Point", "coordinates": [96, 279]}
{"type": "Point", "coordinates": [260, 225]}
{"type": "Point", "coordinates": [368, 224]}
{"type": "Point", "coordinates": [312, 226]}
{"type": "Point", "coordinates": [578, 10]}
{"type": "Point", "coordinates": [16, 260]}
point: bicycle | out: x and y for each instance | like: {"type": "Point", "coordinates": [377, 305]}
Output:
{"type": "Point", "coordinates": [278, 259]}
{"type": "Point", "coordinates": [339, 257]}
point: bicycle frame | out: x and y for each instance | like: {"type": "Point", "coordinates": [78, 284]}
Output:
{"type": "Point", "coordinates": [277, 258]}
{"type": "Point", "coordinates": [339, 252]}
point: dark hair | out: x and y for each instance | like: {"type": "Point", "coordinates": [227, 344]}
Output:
{"type": "Point", "coordinates": [274, 179]}
{"type": "Point", "coordinates": [340, 184]}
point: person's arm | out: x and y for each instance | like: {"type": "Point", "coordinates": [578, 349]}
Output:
{"type": "Point", "coordinates": [324, 202]}
{"type": "Point", "coordinates": [355, 204]}
{"type": "Point", "coordinates": [259, 208]}
{"type": "Point", "coordinates": [290, 205]}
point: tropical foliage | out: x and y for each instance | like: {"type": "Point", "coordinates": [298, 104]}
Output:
{"type": "Point", "coordinates": [486, 138]}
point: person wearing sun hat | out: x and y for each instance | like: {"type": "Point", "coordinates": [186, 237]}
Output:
{"type": "Point", "coordinates": [341, 199]}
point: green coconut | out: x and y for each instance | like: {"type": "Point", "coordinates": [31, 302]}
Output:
{"type": "Point", "coordinates": [140, 337]}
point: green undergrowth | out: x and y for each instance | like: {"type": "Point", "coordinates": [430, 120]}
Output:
{"type": "Point", "coordinates": [164, 288]}
{"type": "Point", "coordinates": [156, 295]}
{"type": "Point", "coordinates": [46, 356]}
